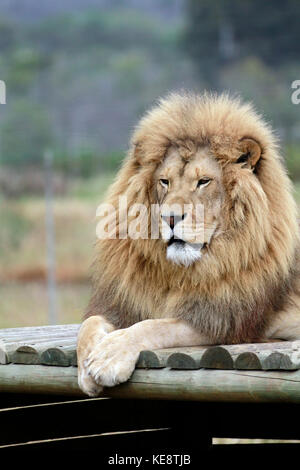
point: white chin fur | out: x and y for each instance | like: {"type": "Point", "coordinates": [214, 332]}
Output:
{"type": "Point", "coordinates": [184, 255]}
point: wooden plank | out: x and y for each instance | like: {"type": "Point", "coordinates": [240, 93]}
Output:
{"type": "Point", "coordinates": [279, 361]}
{"type": "Point", "coordinates": [59, 356]}
{"type": "Point", "coordinates": [152, 360]}
{"type": "Point", "coordinates": [57, 353]}
{"type": "Point", "coordinates": [43, 345]}
{"type": "Point", "coordinates": [217, 357]}
{"type": "Point", "coordinates": [184, 361]}
{"type": "Point", "coordinates": [247, 361]}
{"type": "Point", "coordinates": [37, 338]}
{"type": "Point", "coordinates": [36, 332]}
{"type": "Point", "coordinates": [56, 345]}
{"type": "Point", "coordinates": [40, 343]}
{"type": "Point", "coordinates": [195, 357]}
{"type": "Point", "coordinates": [199, 385]}
{"type": "Point", "coordinates": [212, 385]}
{"type": "Point", "coordinates": [50, 345]}
{"type": "Point", "coordinates": [268, 360]}
{"type": "Point", "coordinates": [266, 356]}
{"type": "Point", "coordinates": [24, 355]}
{"type": "Point", "coordinates": [23, 378]}
{"type": "Point", "coordinates": [3, 355]}
{"type": "Point", "coordinates": [43, 328]}
{"type": "Point", "coordinates": [212, 357]}
{"type": "Point", "coordinates": [161, 357]}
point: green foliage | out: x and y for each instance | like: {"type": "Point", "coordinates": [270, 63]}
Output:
{"type": "Point", "coordinates": [86, 162]}
{"type": "Point", "coordinates": [292, 154]}
{"type": "Point", "coordinates": [83, 162]}
{"type": "Point", "coordinates": [129, 70]}
{"type": "Point", "coordinates": [7, 35]}
{"type": "Point", "coordinates": [111, 161]}
{"type": "Point", "coordinates": [25, 134]}
{"type": "Point", "coordinates": [116, 28]}
{"type": "Point", "coordinates": [94, 188]}
{"type": "Point", "coordinates": [95, 71]}
{"type": "Point", "coordinates": [268, 91]}
{"type": "Point", "coordinates": [14, 226]}
{"type": "Point", "coordinates": [228, 30]}
{"type": "Point", "coordinates": [25, 64]}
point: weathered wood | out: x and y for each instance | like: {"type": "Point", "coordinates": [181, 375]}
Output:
{"type": "Point", "coordinates": [184, 361]}
{"type": "Point", "coordinates": [268, 360]}
{"type": "Point", "coordinates": [23, 378]}
{"type": "Point", "coordinates": [216, 357]}
{"type": "Point", "coordinates": [56, 345]}
{"type": "Point", "coordinates": [212, 385]}
{"type": "Point", "coordinates": [24, 355]}
{"type": "Point", "coordinates": [247, 361]}
{"type": "Point", "coordinates": [194, 357]}
{"type": "Point", "coordinates": [59, 352]}
{"type": "Point", "coordinates": [38, 339]}
{"type": "Point", "coordinates": [41, 344]}
{"type": "Point", "coordinates": [153, 359]}
{"type": "Point", "coordinates": [58, 356]}
{"type": "Point", "coordinates": [162, 357]}
{"type": "Point", "coordinates": [39, 329]}
{"type": "Point", "coordinates": [3, 355]}
{"type": "Point", "coordinates": [213, 357]}
{"type": "Point", "coordinates": [198, 385]}
{"type": "Point", "coordinates": [278, 360]}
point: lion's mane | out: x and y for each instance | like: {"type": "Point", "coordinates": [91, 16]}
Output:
{"type": "Point", "coordinates": [249, 272]}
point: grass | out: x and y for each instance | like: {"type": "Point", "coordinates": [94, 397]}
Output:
{"type": "Point", "coordinates": [92, 189]}
{"type": "Point", "coordinates": [23, 238]}
{"type": "Point", "coordinates": [26, 304]}
{"type": "Point", "coordinates": [23, 261]}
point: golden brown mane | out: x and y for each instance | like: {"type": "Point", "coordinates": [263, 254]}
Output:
{"type": "Point", "coordinates": [249, 271]}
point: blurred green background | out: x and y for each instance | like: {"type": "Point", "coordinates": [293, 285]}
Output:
{"type": "Point", "coordinates": [79, 74]}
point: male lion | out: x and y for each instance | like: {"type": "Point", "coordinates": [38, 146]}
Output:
{"type": "Point", "coordinates": [239, 283]}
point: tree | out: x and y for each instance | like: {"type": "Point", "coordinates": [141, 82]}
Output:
{"type": "Point", "coordinates": [224, 31]}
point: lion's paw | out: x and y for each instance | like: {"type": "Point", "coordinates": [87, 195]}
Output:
{"type": "Point", "coordinates": [87, 384]}
{"type": "Point", "coordinates": [113, 360]}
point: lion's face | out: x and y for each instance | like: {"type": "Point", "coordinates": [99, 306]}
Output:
{"type": "Point", "coordinates": [190, 194]}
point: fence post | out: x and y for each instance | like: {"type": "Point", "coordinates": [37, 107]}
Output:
{"type": "Point", "coordinates": [50, 239]}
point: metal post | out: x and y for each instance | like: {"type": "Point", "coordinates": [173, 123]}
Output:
{"type": "Point", "coordinates": [50, 239]}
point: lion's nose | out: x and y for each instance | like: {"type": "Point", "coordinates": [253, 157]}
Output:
{"type": "Point", "coordinates": [173, 219]}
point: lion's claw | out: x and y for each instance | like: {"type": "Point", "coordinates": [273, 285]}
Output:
{"type": "Point", "coordinates": [113, 360]}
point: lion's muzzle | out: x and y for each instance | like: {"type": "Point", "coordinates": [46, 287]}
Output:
{"type": "Point", "coordinates": [184, 238]}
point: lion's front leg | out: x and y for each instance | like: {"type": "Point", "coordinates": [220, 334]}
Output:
{"type": "Point", "coordinates": [91, 332]}
{"type": "Point", "coordinates": [113, 360]}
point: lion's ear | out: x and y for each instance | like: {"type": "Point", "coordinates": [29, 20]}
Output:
{"type": "Point", "coordinates": [250, 153]}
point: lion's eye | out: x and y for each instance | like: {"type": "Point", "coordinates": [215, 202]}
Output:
{"type": "Point", "coordinates": [203, 182]}
{"type": "Point", "coordinates": [164, 183]}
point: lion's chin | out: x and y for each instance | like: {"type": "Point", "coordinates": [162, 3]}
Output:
{"type": "Point", "coordinates": [183, 253]}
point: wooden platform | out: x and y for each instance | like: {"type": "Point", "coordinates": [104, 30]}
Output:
{"type": "Point", "coordinates": [262, 372]}
{"type": "Point", "coordinates": [177, 400]}
{"type": "Point", "coordinates": [56, 346]}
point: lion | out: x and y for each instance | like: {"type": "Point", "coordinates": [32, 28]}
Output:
{"type": "Point", "coordinates": [233, 279]}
